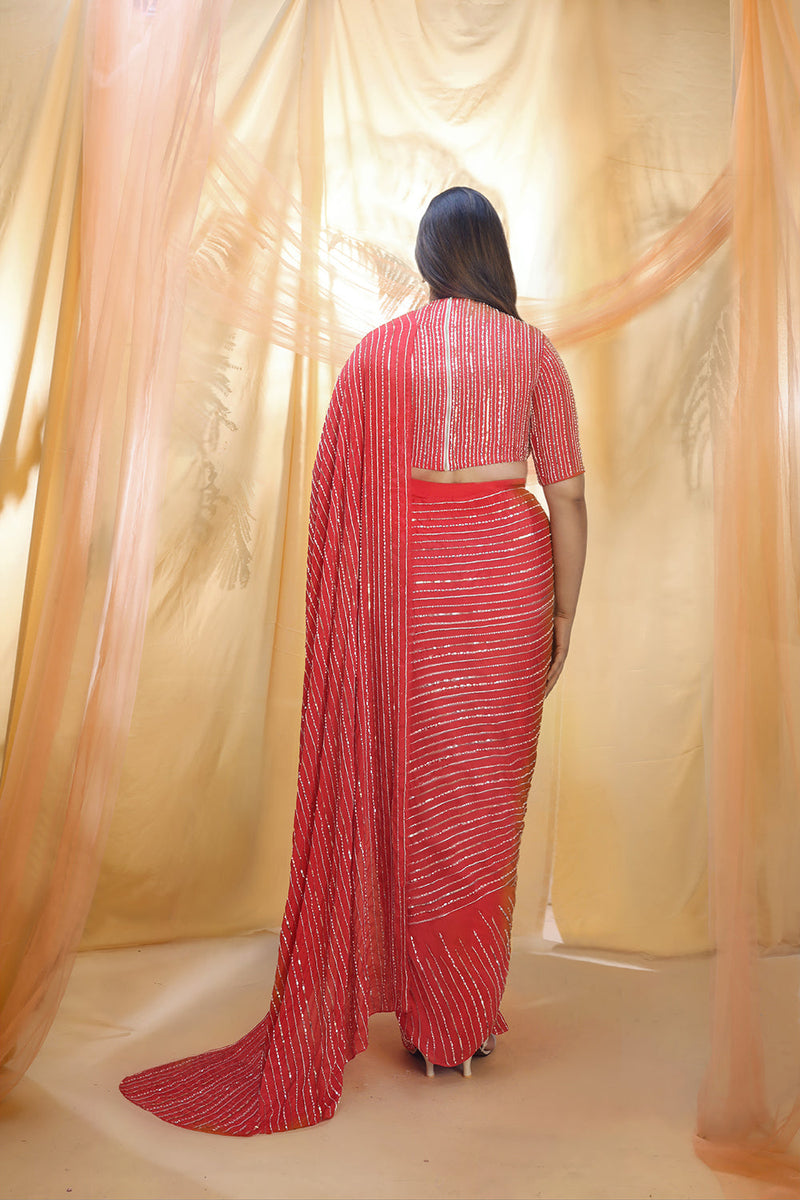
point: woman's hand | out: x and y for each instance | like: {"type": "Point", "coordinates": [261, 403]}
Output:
{"type": "Point", "coordinates": [562, 628]}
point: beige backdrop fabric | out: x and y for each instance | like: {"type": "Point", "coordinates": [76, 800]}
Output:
{"type": "Point", "coordinates": [362, 113]}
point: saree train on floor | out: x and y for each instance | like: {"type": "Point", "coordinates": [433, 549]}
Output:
{"type": "Point", "coordinates": [428, 633]}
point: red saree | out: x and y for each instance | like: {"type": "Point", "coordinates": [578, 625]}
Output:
{"type": "Point", "coordinates": [416, 752]}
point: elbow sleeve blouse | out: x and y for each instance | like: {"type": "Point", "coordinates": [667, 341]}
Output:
{"type": "Point", "coordinates": [490, 388]}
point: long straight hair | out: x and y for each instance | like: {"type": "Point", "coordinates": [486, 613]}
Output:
{"type": "Point", "coordinates": [462, 250]}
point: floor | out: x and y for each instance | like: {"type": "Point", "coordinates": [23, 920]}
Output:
{"type": "Point", "coordinates": [591, 1094]}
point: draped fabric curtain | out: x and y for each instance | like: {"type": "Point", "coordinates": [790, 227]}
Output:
{"type": "Point", "coordinates": [755, 734]}
{"type": "Point", "coordinates": [146, 123]}
{"type": "Point", "coordinates": [178, 294]}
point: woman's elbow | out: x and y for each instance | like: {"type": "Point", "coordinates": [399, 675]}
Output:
{"type": "Point", "coordinates": [566, 492]}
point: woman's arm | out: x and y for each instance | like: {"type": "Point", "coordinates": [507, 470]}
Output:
{"type": "Point", "coordinates": [567, 506]}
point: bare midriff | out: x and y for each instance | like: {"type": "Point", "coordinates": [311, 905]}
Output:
{"type": "Point", "coordinates": [506, 470]}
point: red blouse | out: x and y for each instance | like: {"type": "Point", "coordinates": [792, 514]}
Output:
{"type": "Point", "coordinates": [488, 388]}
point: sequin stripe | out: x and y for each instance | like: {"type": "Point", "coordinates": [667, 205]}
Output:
{"type": "Point", "coordinates": [554, 425]}
{"type": "Point", "coordinates": [384, 600]}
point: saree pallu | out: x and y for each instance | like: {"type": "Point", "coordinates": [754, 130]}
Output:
{"type": "Point", "coordinates": [480, 621]}
{"type": "Point", "coordinates": [342, 944]}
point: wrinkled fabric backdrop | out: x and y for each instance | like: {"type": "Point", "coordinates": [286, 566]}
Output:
{"type": "Point", "coordinates": [202, 208]}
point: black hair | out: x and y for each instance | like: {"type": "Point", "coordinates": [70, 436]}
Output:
{"type": "Point", "coordinates": [462, 250]}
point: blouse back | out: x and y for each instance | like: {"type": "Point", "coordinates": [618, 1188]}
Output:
{"type": "Point", "coordinates": [488, 388]}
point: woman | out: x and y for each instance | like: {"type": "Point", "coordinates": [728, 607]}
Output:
{"type": "Point", "coordinates": [439, 605]}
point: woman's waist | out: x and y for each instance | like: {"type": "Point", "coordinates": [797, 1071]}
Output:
{"type": "Point", "coordinates": [515, 472]}
{"type": "Point", "coordinates": [437, 489]}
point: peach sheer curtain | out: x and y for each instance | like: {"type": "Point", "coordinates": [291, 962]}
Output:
{"type": "Point", "coordinates": [178, 303]}
{"type": "Point", "coordinates": [147, 112]}
{"type": "Point", "coordinates": [755, 751]}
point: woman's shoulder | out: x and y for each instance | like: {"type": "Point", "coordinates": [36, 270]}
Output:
{"type": "Point", "coordinates": [390, 331]}
{"type": "Point", "coordinates": [382, 342]}
{"type": "Point", "coordinates": [511, 331]}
